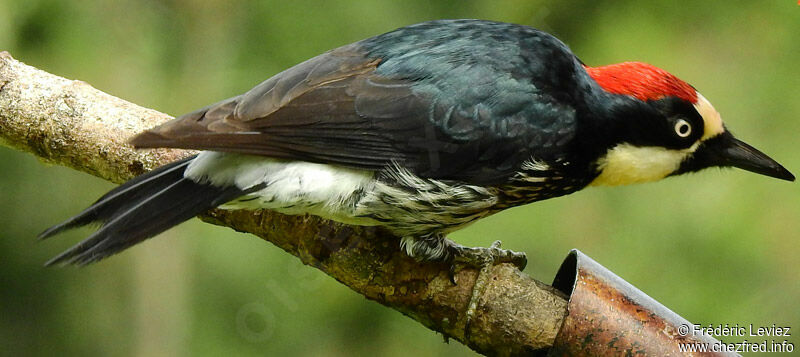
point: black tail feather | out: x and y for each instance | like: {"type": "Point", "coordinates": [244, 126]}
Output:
{"type": "Point", "coordinates": [127, 193]}
{"type": "Point", "coordinates": [139, 209]}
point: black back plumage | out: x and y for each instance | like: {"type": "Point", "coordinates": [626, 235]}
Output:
{"type": "Point", "coordinates": [464, 100]}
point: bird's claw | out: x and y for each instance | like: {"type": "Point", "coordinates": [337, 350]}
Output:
{"type": "Point", "coordinates": [479, 257]}
{"type": "Point", "coordinates": [483, 259]}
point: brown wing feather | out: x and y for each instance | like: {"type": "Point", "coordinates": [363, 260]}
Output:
{"type": "Point", "coordinates": [330, 109]}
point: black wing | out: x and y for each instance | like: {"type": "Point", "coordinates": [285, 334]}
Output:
{"type": "Point", "coordinates": [338, 109]}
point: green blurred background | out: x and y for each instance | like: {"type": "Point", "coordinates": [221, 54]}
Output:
{"type": "Point", "coordinates": [716, 247]}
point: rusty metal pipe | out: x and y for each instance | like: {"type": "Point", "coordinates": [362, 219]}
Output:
{"type": "Point", "coordinates": [607, 316]}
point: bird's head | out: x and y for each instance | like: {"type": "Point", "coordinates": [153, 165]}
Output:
{"type": "Point", "coordinates": [674, 130]}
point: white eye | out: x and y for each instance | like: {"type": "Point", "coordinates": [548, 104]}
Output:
{"type": "Point", "coordinates": [683, 128]}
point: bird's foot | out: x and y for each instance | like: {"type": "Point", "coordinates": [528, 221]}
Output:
{"type": "Point", "coordinates": [484, 259]}
{"type": "Point", "coordinates": [480, 257]}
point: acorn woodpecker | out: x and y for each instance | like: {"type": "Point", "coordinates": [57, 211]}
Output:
{"type": "Point", "coordinates": [422, 130]}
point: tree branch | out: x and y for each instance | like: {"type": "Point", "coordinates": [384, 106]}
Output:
{"type": "Point", "coordinates": [73, 124]}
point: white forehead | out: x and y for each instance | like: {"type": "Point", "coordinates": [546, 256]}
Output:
{"type": "Point", "coordinates": [711, 118]}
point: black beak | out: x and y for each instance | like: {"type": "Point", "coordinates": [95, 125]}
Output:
{"type": "Point", "coordinates": [724, 150]}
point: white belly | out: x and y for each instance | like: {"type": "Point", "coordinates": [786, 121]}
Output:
{"type": "Point", "coordinates": [290, 187]}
